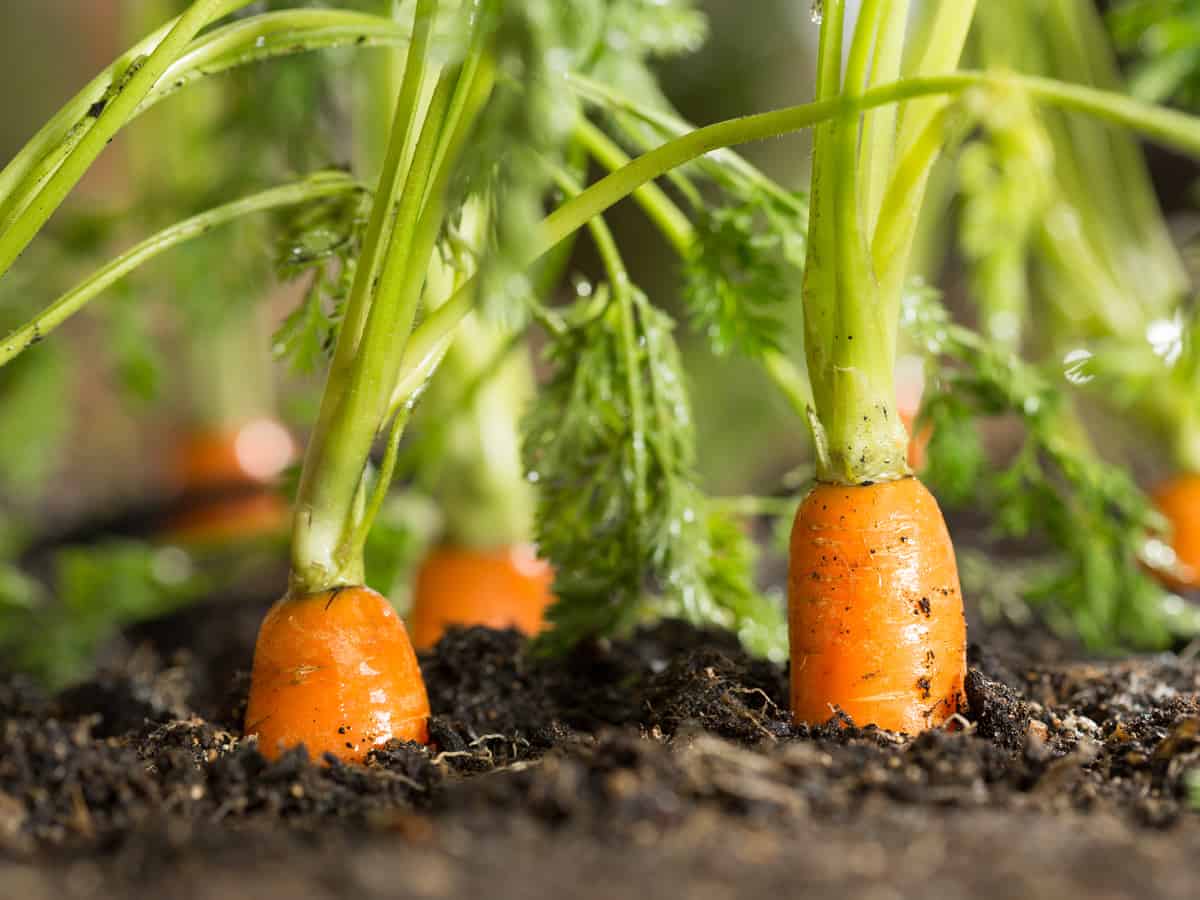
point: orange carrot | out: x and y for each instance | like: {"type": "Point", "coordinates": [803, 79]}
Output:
{"type": "Point", "coordinates": [503, 588]}
{"type": "Point", "coordinates": [253, 453]}
{"type": "Point", "coordinates": [239, 463]}
{"type": "Point", "coordinates": [335, 671]}
{"type": "Point", "coordinates": [875, 613]}
{"type": "Point", "coordinates": [240, 516]}
{"type": "Point", "coordinates": [1178, 499]}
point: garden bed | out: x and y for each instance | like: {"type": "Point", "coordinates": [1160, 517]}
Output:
{"type": "Point", "coordinates": [662, 765]}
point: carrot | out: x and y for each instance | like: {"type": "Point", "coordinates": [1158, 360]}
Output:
{"type": "Point", "coordinates": [507, 587]}
{"type": "Point", "coordinates": [253, 453]}
{"type": "Point", "coordinates": [336, 673]}
{"type": "Point", "coordinates": [875, 615]}
{"type": "Point", "coordinates": [875, 610]}
{"type": "Point", "coordinates": [234, 466]}
{"type": "Point", "coordinates": [1178, 499]}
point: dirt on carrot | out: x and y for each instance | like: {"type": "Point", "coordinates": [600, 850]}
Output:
{"type": "Point", "coordinates": [335, 672]}
{"type": "Point", "coordinates": [875, 611]}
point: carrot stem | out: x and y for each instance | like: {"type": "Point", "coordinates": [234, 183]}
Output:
{"type": "Point", "coordinates": [323, 551]}
{"type": "Point", "coordinates": [315, 187]}
{"type": "Point", "coordinates": [389, 281]}
{"type": "Point", "coordinates": [28, 216]}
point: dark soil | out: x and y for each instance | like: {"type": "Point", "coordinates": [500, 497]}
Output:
{"type": "Point", "coordinates": [664, 765]}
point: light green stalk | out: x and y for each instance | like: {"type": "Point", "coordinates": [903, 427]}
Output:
{"type": "Point", "coordinates": [315, 187]}
{"type": "Point", "coordinates": [406, 220]}
{"type": "Point", "coordinates": [855, 272]}
{"type": "Point", "coordinates": [1104, 260]}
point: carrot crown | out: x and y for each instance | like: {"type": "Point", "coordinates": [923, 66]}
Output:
{"type": "Point", "coordinates": [868, 180]}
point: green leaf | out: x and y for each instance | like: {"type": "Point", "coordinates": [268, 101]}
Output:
{"type": "Point", "coordinates": [1091, 516]}
{"type": "Point", "coordinates": [613, 554]}
{"type": "Point", "coordinates": [747, 261]}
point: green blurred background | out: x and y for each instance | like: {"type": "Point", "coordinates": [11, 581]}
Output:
{"type": "Point", "coordinates": [49, 48]}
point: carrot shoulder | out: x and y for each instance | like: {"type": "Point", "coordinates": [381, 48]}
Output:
{"type": "Point", "coordinates": [335, 672]}
{"type": "Point", "coordinates": [507, 587]}
{"type": "Point", "coordinates": [875, 614]}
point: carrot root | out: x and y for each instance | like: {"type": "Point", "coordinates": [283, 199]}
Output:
{"type": "Point", "coordinates": [875, 613]}
{"type": "Point", "coordinates": [335, 672]}
{"type": "Point", "coordinates": [504, 588]}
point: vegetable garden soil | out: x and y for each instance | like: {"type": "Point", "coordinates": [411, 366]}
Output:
{"type": "Point", "coordinates": [663, 765]}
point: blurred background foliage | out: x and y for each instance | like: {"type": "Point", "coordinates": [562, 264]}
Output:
{"type": "Point", "coordinates": [748, 63]}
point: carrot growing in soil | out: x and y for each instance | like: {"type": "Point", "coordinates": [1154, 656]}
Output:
{"type": "Point", "coordinates": [439, 173]}
{"type": "Point", "coordinates": [485, 570]}
{"type": "Point", "coordinates": [334, 668]}
{"type": "Point", "coordinates": [615, 351]}
{"type": "Point", "coordinates": [875, 614]}
{"type": "Point", "coordinates": [893, 657]}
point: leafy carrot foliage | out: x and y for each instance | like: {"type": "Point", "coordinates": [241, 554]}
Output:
{"type": "Point", "coordinates": [747, 263]}
{"type": "Point", "coordinates": [620, 514]}
{"type": "Point", "coordinates": [1055, 489]}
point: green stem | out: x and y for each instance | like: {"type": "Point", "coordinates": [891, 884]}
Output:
{"type": "Point", "coordinates": [271, 36]}
{"type": "Point", "coordinates": [325, 548]}
{"type": "Point", "coordinates": [847, 338]}
{"type": "Point", "coordinates": [671, 127]}
{"type": "Point", "coordinates": [55, 131]}
{"type": "Point", "coordinates": [671, 221]}
{"type": "Point", "coordinates": [879, 126]}
{"type": "Point", "coordinates": [315, 187]}
{"type": "Point", "coordinates": [117, 110]}
{"type": "Point", "coordinates": [1170, 127]}
{"type": "Point", "coordinates": [324, 553]}
{"type": "Point", "coordinates": [383, 214]}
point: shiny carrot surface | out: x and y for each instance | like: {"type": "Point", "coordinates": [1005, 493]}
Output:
{"type": "Point", "coordinates": [335, 672]}
{"type": "Point", "coordinates": [875, 613]}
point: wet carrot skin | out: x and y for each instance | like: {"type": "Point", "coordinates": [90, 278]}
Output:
{"type": "Point", "coordinates": [875, 614]}
{"type": "Point", "coordinates": [337, 673]}
{"type": "Point", "coordinates": [505, 587]}
{"type": "Point", "coordinates": [1178, 499]}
